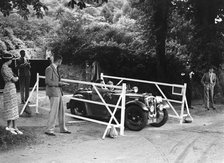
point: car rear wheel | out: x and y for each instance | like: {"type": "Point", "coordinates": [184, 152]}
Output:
{"type": "Point", "coordinates": [78, 109]}
{"type": "Point", "coordinates": [135, 118]}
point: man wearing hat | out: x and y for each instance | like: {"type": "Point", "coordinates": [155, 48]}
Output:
{"type": "Point", "coordinates": [209, 80]}
{"type": "Point", "coordinates": [187, 78]}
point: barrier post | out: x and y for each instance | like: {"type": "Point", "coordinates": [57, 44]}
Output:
{"type": "Point", "coordinates": [37, 92]}
{"type": "Point", "coordinates": [101, 76]}
{"type": "Point", "coordinates": [183, 103]}
{"type": "Point", "coordinates": [123, 108]}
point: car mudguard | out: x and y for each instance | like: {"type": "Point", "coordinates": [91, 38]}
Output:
{"type": "Point", "coordinates": [139, 103]}
{"type": "Point", "coordinates": [73, 102]}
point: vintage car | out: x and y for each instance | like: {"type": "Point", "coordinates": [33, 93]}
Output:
{"type": "Point", "coordinates": [140, 109]}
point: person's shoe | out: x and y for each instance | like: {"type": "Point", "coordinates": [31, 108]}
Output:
{"type": "Point", "coordinates": [12, 130]}
{"type": "Point", "coordinates": [66, 132]}
{"type": "Point", "coordinates": [206, 108]}
{"type": "Point", "coordinates": [18, 131]}
{"type": "Point", "coordinates": [50, 133]}
{"type": "Point", "coordinates": [213, 108]}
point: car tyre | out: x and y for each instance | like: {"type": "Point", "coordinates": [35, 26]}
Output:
{"type": "Point", "coordinates": [164, 118]}
{"type": "Point", "coordinates": [78, 109]}
{"type": "Point", "coordinates": [135, 118]}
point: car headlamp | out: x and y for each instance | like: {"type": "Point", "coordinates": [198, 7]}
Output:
{"type": "Point", "coordinates": [135, 89]}
{"type": "Point", "coordinates": [159, 99]}
{"type": "Point", "coordinates": [152, 108]}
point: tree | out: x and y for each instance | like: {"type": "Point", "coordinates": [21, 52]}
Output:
{"type": "Point", "coordinates": [207, 43]}
{"type": "Point", "coordinates": [154, 22]}
{"type": "Point", "coordinates": [22, 7]}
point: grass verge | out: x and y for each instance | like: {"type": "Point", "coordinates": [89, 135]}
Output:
{"type": "Point", "coordinates": [9, 141]}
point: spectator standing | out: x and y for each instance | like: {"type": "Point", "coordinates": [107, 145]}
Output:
{"type": "Point", "coordinates": [54, 92]}
{"type": "Point", "coordinates": [10, 111]}
{"type": "Point", "coordinates": [187, 78]}
{"type": "Point", "coordinates": [209, 80]}
{"type": "Point", "coordinates": [23, 67]}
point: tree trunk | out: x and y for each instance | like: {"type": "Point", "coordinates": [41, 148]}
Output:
{"type": "Point", "coordinates": [160, 16]}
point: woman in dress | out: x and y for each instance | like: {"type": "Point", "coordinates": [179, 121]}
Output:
{"type": "Point", "coordinates": [10, 110]}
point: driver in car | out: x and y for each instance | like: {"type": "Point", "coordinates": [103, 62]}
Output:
{"type": "Point", "coordinates": [102, 90]}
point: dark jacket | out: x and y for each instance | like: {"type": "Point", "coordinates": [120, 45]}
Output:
{"type": "Point", "coordinates": [23, 68]}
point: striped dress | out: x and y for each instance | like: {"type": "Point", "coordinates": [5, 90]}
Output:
{"type": "Point", "coordinates": [10, 110]}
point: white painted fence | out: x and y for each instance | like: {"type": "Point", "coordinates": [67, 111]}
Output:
{"type": "Point", "coordinates": [183, 101]}
{"type": "Point", "coordinates": [109, 124]}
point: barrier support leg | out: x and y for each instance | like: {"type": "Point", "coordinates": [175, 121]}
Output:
{"type": "Point", "coordinates": [187, 109]}
{"type": "Point", "coordinates": [28, 99]}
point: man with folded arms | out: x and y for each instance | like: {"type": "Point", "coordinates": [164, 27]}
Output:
{"type": "Point", "coordinates": [54, 92]}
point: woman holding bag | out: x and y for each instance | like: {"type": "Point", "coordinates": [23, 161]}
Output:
{"type": "Point", "coordinates": [10, 110]}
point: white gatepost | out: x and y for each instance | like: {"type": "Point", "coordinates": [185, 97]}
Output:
{"type": "Point", "coordinates": [183, 103]}
{"type": "Point", "coordinates": [37, 93]}
{"type": "Point", "coordinates": [123, 97]}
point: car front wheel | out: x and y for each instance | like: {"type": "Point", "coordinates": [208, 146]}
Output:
{"type": "Point", "coordinates": [135, 118]}
{"type": "Point", "coordinates": [160, 119]}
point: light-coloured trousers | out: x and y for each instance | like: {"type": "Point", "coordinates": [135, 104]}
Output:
{"type": "Point", "coordinates": [57, 111]}
{"type": "Point", "coordinates": [209, 95]}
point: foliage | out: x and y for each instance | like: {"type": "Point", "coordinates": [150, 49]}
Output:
{"type": "Point", "coordinates": [22, 7]}
{"type": "Point", "coordinates": [107, 14]}
{"type": "Point", "coordinates": [207, 43]}
{"type": "Point", "coordinates": [19, 33]}
{"type": "Point", "coordinates": [154, 35]}
{"type": "Point", "coordinates": [155, 25]}
{"type": "Point", "coordinates": [3, 46]}
{"type": "Point", "coordinates": [9, 44]}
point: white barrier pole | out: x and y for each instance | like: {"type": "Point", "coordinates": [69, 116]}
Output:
{"type": "Point", "coordinates": [37, 94]}
{"type": "Point", "coordinates": [105, 104]}
{"type": "Point", "coordinates": [183, 103]}
{"type": "Point", "coordinates": [24, 106]}
{"type": "Point", "coordinates": [143, 81]}
{"type": "Point", "coordinates": [166, 99]}
{"type": "Point", "coordinates": [112, 117]}
{"type": "Point", "coordinates": [123, 109]}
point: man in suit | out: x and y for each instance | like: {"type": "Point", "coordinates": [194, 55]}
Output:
{"type": "Point", "coordinates": [209, 80]}
{"type": "Point", "coordinates": [23, 66]}
{"type": "Point", "coordinates": [187, 78]}
{"type": "Point", "coordinates": [54, 92]}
